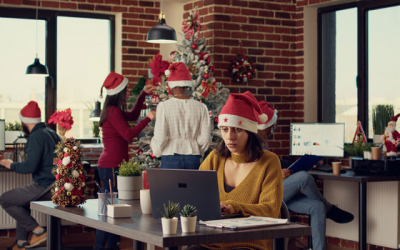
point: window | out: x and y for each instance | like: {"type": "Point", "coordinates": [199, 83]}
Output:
{"type": "Point", "coordinates": [357, 62]}
{"type": "Point", "coordinates": [78, 49]}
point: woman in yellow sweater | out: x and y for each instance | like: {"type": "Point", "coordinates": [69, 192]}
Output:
{"type": "Point", "coordinates": [249, 178]}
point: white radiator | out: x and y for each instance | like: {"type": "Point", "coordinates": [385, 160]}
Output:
{"type": "Point", "coordinates": [382, 211]}
{"type": "Point", "coordinates": [11, 180]}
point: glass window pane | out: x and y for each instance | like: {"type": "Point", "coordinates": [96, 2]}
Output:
{"type": "Point", "coordinates": [384, 54]}
{"type": "Point", "coordinates": [83, 62]}
{"type": "Point", "coordinates": [339, 69]}
{"type": "Point", "coordinates": [17, 51]}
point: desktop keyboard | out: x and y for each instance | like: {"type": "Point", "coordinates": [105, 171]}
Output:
{"type": "Point", "coordinates": [328, 169]}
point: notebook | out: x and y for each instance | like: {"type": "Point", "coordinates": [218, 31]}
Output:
{"type": "Point", "coordinates": [306, 162]}
{"type": "Point", "coordinates": [194, 187]}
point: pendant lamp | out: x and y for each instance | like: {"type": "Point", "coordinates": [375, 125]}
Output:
{"type": "Point", "coordinates": [95, 114]}
{"type": "Point", "coordinates": [161, 33]}
{"type": "Point", "coordinates": [37, 68]}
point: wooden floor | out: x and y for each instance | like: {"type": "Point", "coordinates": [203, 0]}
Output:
{"type": "Point", "coordinates": [87, 239]}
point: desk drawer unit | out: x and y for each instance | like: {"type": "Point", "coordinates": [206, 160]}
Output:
{"type": "Point", "coordinates": [382, 211]}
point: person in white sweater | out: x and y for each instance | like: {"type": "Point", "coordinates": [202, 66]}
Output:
{"type": "Point", "coordinates": [182, 130]}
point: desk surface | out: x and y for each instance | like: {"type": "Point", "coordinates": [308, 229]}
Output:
{"type": "Point", "coordinates": [350, 176]}
{"type": "Point", "coordinates": [147, 229]}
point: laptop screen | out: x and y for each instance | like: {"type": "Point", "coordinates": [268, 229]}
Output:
{"type": "Point", "coordinates": [193, 187]}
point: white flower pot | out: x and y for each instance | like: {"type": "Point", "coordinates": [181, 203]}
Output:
{"type": "Point", "coordinates": [145, 202]}
{"type": "Point", "coordinates": [11, 136]}
{"type": "Point", "coordinates": [188, 224]}
{"type": "Point", "coordinates": [129, 187]}
{"type": "Point", "coordinates": [169, 225]}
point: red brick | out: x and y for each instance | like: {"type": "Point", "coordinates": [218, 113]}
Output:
{"type": "Point", "coordinates": [265, 75]}
{"type": "Point", "coordinates": [151, 51]}
{"type": "Point", "coordinates": [289, 7]}
{"type": "Point", "coordinates": [129, 15]}
{"type": "Point", "coordinates": [231, 42]}
{"type": "Point", "coordinates": [135, 22]}
{"type": "Point", "coordinates": [239, 19]}
{"type": "Point", "coordinates": [274, 99]}
{"type": "Point", "coordinates": [239, 3]}
{"type": "Point", "coordinates": [265, 13]}
{"type": "Point", "coordinates": [232, 10]}
{"type": "Point", "coordinates": [254, 82]}
{"type": "Point", "coordinates": [313, 1]}
{"type": "Point", "coordinates": [67, 6]}
{"type": "Point", "coordinates": [50, 4]}
{"type": "Point", "coordinates": [188, 6]}
{"type": "Point", "coordinates": [282, 76]}
{"type": "Point", "coordinates": [129, 29]}
{"type": "Point", "coordinates": [256, 20]}
{"type": "Point", "coordinates": [136, 10]}
{"type": "Point", "coordinates": [30, 2]}
{"type": "Point", "coordinates": [302, 3]}
{"type": "Point", "coordinates": [223, 34]}
{"type": "Point", "coordinates": [249, 43]}
{"type": "Point", "coordinates": [281, 60]}
{"type": "Point", "coordinates": [86, 6]}
{"type": "Point", "coordinates": [221, 50]}
{"type": "Point", "coordinates": [147, 17]}
{"type": "Point", "coordinates": [347, 243]}
{"type": "Point", "coordinates": [119, 9]}
{"type": "Point", "coordinates": [265, 59]}
{"type": "Point", "coordinates": [273, 84]}
{"type": "Point", "coordinates": [265, 29]}
{"type": "Point", "coordinates": [240, 34]}
{"type": "Point", "coordinates": [229, 26]}
{"type": "Point", "coordinates": [265, 91]}
{"type": "Point", "coordinates": [289, 23]}
{"type": "Point", "coordinates": [135, 51]}
{"type": "Point", "coordinates": [130, 3]}
{"type": "Point", "coordinates": [281, 45]}
{"type": "Point", "coordinates": [257, 5]}
{"type": "Point", "coordinates": [256, 51]}
{"type": "Point", "coordinates": [273, 68]}
{"type": "Point", "coordinates": [249, 12]}
{"type": "Point", "coordinates": [146, 4]}
{"type": "Point", "coordinates": [255, 36]}
{"type": "Point", "coordinates": [129, 43]}
{"type": "Point", "coordinates": [271, 6]}
{"type": "Point", "coordinates": [103, 7]}
{"type": "Point", "coordinates": [13, 2]}
{"type": "Point", "coordinates": [135, 36]}
{"type": "Point", "coordinates": [273, 37]}
{"type": "Point", "coordinates": [239, 51]}
{"type": "Point", "coordinates": [150, 24]}
{"type": "Point", "coordinates": [272, 22]}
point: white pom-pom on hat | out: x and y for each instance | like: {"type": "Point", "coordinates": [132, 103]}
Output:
{"type": "Point", "coordinates": [263, 118]}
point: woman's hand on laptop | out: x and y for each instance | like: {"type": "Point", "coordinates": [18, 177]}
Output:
{"type": "Point", "coordinates": [286, 173]}
{"type": "Point", "coordinates": [225, 208]}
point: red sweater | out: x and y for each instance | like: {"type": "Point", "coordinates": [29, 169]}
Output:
{"type": "Point", "coordinates": [117, 134]}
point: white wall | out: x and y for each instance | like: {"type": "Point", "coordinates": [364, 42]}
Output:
{"type": "Point", "coordinates": [173, 17]}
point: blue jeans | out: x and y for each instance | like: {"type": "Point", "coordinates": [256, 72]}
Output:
{"type": "Point", "coordinates": [102, 237]}
{"type": "Point", "coordinates": [310, 202]}
{"type": "Point", "coordinates": [178, 161]}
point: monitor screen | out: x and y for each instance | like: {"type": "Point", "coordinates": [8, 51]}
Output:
{"type": "Point", "coordinates": [2, 135]}
{"type": "Point", "coordinates": [322, 139]}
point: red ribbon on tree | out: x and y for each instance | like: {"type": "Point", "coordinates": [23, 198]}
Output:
{"type": "Point", "coordinates": [208, 87]}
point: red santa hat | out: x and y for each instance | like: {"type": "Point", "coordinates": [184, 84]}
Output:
{"type": "Point", "coordinates": [394, 120]}
{"type": "Point", "coordinates": [30, 113]}
{"type": "Point", "coordinates": [272, 115]}
{"type": "Point", "coordinates": [179, 76]}
{"type": "Point", "coordinates": [114, 84]}
{"type": "Point", "coordinates": [242, 111]}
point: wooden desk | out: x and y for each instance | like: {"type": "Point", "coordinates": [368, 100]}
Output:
{"type": "Point", "coordinates": [146, 229]}
{"type": "Point", "coordinates": [362, 191]}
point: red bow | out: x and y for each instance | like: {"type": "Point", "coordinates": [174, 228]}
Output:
{"type": "Point", "coordinates": [208, 87]}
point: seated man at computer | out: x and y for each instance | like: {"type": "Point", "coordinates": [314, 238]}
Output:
{"type": "Point", "coordinates": [249, 178]}
{"type": "Point", "coordinates": [310, 201]}
{"type": "Point", "coordinates": [39, 149]}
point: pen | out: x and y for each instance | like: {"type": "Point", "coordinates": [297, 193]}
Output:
{"type": "Point", "coordinates": [106, 192]}
{"type": "Point", "coordinates": [109, 182]}
{"type": "Point", "coordinates": [97, 184]}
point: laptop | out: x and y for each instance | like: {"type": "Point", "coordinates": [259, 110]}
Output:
{"type": "Point", "coordinates": [194, 187]}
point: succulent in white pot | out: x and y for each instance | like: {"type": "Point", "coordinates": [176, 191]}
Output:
{"type": "Point", "coordinates": [169, 222]}
{"type": "Point", "coordinates": [129, 180]}
{"type": "Point", "coordinates": [188, 219]}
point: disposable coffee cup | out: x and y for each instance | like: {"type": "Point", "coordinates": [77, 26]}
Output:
{"type": "Point", "coordinates": [336, 167]}
{"type": "Point", "coordinates": [145, 201]}
{"type": "Point", "coordinates": [376, 153]}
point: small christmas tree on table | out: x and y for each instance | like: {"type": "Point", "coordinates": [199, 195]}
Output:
{"type": "Point", "coordinates": [69, 189]}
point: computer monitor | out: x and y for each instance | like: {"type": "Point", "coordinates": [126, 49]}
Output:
{"type": "Point", "coordinates": [322, 139]}
{"type": "Point", "coordinates": [2, 135]}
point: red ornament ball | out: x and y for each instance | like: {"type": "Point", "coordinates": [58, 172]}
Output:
{"type": "Point", "coordinates": [144, 106]}
{"type": "Point", "coordinates": [152, 156]}
{"type": "Point", "coordinates": [212, 68]}
{"type": "Point", "coordinates": [206, 76]}
{"type": "Point", "coordinates": [216, 120]}
{"type": "Point", "coordinates": [194, 46]}
{"type": "Point", "coordinates": [139, 151]}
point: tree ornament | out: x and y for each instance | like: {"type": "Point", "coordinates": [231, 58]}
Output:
{"type": "Point", "coordinates": [194, 46]}
{"type": "Point", "coordinates": [206, 75]}
{"type": "Point", "coordinates": [212, 68]}
{"type": "Point", "coordinates": [216, 120]}
{"type": "Point", "coordinates": [172, 56]}
{"type": "Point", "coordinates": [242, 69]}
{"type": "Point", "coordinates": [152, 156]}
{"type": "Point", "coordinates": [144, 106]}
{"type": "Point", "coordinates": [139, 151]}
{"type": "Point", "coordinates": [155, 99]}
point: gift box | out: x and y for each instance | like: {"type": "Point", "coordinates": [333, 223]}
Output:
{"type": "Point", "coordinates": [119, 210]}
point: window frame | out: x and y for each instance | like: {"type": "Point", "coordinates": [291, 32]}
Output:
{"type": "Point", "coordinates": [361, 80]}
{"type": "Point", "coordinates": [51, 45]}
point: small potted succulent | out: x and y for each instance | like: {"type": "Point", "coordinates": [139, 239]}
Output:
{"type": "Point", "coordinates": [188, 218]}
{"type": "Point", "coordinates": [169, 222]}
{"type": "Point", "coordinates": [129, 180]}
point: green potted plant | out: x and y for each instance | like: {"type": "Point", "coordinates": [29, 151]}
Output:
{"type": "Point", "coordinates": [129, 180]}
{"type": "Point", "coordinates": [13, 131]}
{"type": "Point", "coordinates": [169, 222]}
{"type": "Point", "coordinates": [188, 218]}
{"type": "Point", "coordinates": [357, 149]}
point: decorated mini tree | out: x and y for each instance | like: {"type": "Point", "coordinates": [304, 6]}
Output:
{"type": "Point", "coordinates": [69, 189]}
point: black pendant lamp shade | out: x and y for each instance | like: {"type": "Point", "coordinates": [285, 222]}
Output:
{"type": "Point", "coordinates": [161, 33]}
{"type": "Point", "coordinates": [37, 68]}
{"type": "Point", "coordinates": [95, 114]}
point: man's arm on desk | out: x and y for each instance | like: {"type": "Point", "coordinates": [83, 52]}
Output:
{"type": "Point", "coordinates": [6, 163]}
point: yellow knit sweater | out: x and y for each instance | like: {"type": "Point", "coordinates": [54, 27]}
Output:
{"type": "Point", "coordinates": [259, 194]}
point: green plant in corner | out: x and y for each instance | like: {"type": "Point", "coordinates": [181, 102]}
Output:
{"type": "Point", "coordinates": [358, 148]}
{"type": "Point", "coordinates": [188, 211]}
{"type": "Point", "coordinates": [130, 168]}
{"type": "Point", "coordinates": [171, 210]}
{"type": "Point", "coordinates": [9, 126]}
{"type": "Point", "coordinates": [381, 115]}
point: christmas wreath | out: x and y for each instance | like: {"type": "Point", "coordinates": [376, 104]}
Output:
{"type": "Point", "coordinates": [242, 69]}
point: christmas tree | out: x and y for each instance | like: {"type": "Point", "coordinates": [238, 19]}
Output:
{"type": "Point", "coordinates": [193, 53]}
{"type": "Point", "coordinates": [69, 189]}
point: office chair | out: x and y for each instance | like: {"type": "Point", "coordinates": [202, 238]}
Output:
{"type": "Point", "coordinates": [309, 238]}
{"type": "Point", "coordinates": [282, 244]}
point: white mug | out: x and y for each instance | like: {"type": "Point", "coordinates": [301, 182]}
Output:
{"type": "Point", "coordinates": [145, 202]}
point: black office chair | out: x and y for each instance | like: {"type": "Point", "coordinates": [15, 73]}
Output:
{"type": "Point", "coordinates": [282, 244]}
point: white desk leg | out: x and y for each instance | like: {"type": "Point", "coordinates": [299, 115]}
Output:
{"type": "Point", "coordinates": [151, 247]}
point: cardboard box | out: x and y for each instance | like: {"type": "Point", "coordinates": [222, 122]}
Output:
{"type": "Point", "coordinates": [119, 210]}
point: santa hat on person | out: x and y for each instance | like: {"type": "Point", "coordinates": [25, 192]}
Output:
{"type": "Point", "coordinates": [394, 120]}
{"type": "Point", "coordinates": [30, 113]}
{"type": "Point", "coordinates": [179, 76]}
{"type": "Point", "coordinates": [114, 84]}
{"type": "Point", "coordinates": [272, 115]}
{"type": "Point", "coordinates": [242, 111]}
